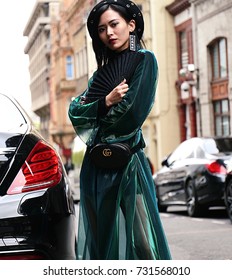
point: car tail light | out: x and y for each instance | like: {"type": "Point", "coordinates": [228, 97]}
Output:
{"type": "Point", "coordinates": [216, 167]}
{"type": "Point", "coordinates": [42, 169]}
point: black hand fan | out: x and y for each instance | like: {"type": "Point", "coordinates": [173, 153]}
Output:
{"type": "Point", "coordinates": [112, 74]}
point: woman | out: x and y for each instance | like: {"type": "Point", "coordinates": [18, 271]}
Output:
{"type": "Point", "coordinates": [119, 218]}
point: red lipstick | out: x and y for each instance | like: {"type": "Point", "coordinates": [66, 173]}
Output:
{"type": "Point", "coordinates": [112, 41]}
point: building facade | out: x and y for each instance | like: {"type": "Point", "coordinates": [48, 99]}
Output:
{"type": "Point", "coordinates": [203, 37]}
{"type": "Point", "coordinates": [69, 69]}
{"type": "Point", "coordinates": [185, 83]}
{"type": "Point", "coordinates": [38, 49]}
{"type": "Point", "coordinates": [164, 126]}
{"type": "Point", "coordinates": [212, 21]}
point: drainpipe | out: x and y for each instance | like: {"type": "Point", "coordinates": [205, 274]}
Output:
{"type": "Point", "coordinates": [196, 62]}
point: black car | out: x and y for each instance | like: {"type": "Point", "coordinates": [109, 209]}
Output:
{"type": "Point", "coordinates": [37, 214]}
{"type": "Point", "coordinates": [194, 174]}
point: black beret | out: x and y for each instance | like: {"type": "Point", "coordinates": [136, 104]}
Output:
{"type": "Point", "coordinates": [133, 11]}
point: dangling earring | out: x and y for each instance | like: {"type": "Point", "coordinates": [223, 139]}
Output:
{"type": "Point", "coordinates": [132, 42]}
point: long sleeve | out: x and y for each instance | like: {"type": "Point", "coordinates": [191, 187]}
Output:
{"type": "Point", "coordinates": [84, 117]}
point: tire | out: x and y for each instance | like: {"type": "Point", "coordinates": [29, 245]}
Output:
{"type": "Point", "coordinates": [228, 199]}
{"type": "Point", "coordinates": [193, 207]}
{"type": "Point", "coordinates": [162, 208]}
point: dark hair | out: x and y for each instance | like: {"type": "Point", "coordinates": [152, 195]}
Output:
{"type": "Point", "coordinates": [102, 53]}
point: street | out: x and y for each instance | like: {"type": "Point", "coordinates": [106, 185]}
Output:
{"type": "Point", "coordinates": [205, 238]}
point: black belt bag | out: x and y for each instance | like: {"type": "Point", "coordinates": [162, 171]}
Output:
{"type": "Point", "coordinates": [112, 156]}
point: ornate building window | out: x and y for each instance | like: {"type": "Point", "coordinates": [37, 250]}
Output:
{"type": "Point", "coordinates": [218, 53]}
{"type": "Point", "coordinates": [222, 117]}
{"type": "Point", "coordinates": [184, 57]}
{"type": "Point", "coordinates": [219, 86]}
{"type": "Point", "coordinates": [69, 67]}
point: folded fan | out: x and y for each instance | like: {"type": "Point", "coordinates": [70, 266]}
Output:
{"type": "Point", "coordinates": [112, 74]}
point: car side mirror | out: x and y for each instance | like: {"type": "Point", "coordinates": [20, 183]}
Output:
{"type": "Point", "coordinates": [164, 162]}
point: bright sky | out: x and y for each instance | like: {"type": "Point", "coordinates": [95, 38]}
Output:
{"type": "Point", "coordinates": [14, 73]}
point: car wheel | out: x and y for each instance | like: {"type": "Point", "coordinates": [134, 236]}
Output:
{"type": "Point", "coordinates": [162, 208]}
{"type": "Point", "coordinates": [228, 199]}
{"type": "Point", "coordinates": [193, 207]}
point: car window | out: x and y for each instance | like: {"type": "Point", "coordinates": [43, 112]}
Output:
{"type": "Point", "coordinates": [183, 151]}
{"type": "Point", "coordinates": [210, 146]}
{"type": "Point", "coordinates": [220, 145]}
{"type": "Point", "coordinates": [10, 115]}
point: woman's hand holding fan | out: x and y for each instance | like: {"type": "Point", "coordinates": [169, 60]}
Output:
{"type": "Point", "coordinates": [116, 95]}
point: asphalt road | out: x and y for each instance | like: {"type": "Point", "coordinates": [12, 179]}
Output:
{"type": "Point", "coordinates": [204, 238]}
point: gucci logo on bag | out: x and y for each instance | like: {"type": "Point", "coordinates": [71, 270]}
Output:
{"type": "Point", "coordinates": [107, 152]}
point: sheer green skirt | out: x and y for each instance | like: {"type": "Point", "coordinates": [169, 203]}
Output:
{"type": "Point", "coordinates": [118, 217]}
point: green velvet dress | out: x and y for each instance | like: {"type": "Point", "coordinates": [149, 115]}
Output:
{"type": "Point", "coordinates": [119, 218]}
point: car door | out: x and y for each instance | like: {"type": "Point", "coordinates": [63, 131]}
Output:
{"type": "Point", "coordinates": [171, 179]}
